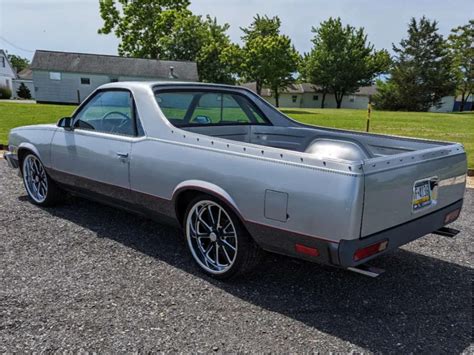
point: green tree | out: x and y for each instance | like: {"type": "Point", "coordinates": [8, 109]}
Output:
{"type": "Point", "coordinates": [18, 62]}
{"type": "Point", "coordinates": [342, 60]}
{"type": "Point", "coordinates": [141, 24]}
{"type": "Point", "coordinates": [203, 41]}
{"type": "Point", "coordinates": [312, 72]}
{"type": "Point", "coordinates": [460, 43]}
{"type": "Point", "coordinates": [268, 57]}
{"type": "Point", "coordinates": [262, 26]}
{"type": "Point", "coordinates": [422, 70]}
{"type": "Point", "coordinates": [23, 92]}
{"type": "Point", "coordinates": [215, 61]}
{"type": "Point", "coordinates": [168, 30]}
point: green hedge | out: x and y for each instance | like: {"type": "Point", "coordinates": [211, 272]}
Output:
{"type": "Point", "coordinates": [5, 92]}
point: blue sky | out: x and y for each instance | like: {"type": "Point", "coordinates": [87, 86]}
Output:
{"type": "Point", "coordinates": [71, 25]}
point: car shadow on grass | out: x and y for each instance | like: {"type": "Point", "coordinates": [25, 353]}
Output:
{"type": "Point", "coordinates": [421, 304]}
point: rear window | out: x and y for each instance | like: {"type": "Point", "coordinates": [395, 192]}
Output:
{"type": "Point", "coordinates": [208, 108]}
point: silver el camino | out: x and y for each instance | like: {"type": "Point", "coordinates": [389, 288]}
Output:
{"type": "Point", "coordinates": [240, 177]}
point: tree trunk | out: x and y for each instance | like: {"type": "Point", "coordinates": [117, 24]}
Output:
{"type": "Point", "coordinates": [323, 100]}
{"type": "Point", "coordinates": [258, 85]}
{"type": "Point", "coordinates": [339, 97]}
{"type": "Point", "coordinates": [463, 102]}
{"type": "Point", "coordinates": [277, 97]}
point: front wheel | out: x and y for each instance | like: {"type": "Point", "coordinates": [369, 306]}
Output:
{"type": "Point", "coordinates": [39, 186]}
{"type": "Point", "coordinates": [217, 240]}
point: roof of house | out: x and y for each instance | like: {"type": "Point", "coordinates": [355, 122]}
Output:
{"type": "Point", "coordinates": [113, 65]}
{"type": "Point", "coordinates": [25, 74]}
{"type": "Point", "coordinates": [366, 90]}
{"type": "Point", "coordinates": [307, 88]}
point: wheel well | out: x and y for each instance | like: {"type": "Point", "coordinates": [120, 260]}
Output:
{"type": "Point", "coordinates": [21, 155]}
{"type": "Point", "coordinates": [182, 202]}
{"type": "Point", "coordinates": [185, 197]}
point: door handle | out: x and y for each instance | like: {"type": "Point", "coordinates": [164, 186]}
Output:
{"type": "Point", "coordinates": [122, 155]}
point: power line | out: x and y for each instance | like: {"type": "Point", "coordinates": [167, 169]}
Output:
{"type": "Point", "coordinates": [15, 46]}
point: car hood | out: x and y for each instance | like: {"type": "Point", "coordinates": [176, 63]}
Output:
{"type": "Point", "coordinates": [36, 126]}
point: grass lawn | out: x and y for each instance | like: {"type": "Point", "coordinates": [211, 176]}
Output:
{"type": "Point", "coordinates": [18, 114]}
{"type": "Point", "coordinates": [457, 127]}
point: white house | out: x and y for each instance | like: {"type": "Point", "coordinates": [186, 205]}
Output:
{"type": "Point", "coordinates": [305, 95]}
{"type": "Point", "coordinates": [7, 72]}
{"type": "Point", "coordinates": [65, 77]}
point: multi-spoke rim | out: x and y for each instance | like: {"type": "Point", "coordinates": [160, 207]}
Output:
{"type": "Point", "coordinates": [211, 237]}
{"type": "Point", "coordinates": [35, 179]}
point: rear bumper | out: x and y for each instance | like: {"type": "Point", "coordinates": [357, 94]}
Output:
{"type": "Point", "coordinates": [12, 159]}
{"type": "Point", "coordinates": [396, 236]}
{"type": "Point", "coordinates": [341, 253]}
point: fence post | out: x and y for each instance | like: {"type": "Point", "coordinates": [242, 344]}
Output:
{"type": "Point", "coordinates": [369, 111]}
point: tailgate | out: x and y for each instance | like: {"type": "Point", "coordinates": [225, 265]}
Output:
{"type": "Point", "coordinates": [406, 186]}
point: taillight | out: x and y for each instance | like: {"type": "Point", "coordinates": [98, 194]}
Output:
{"type": "Point", "coordinates": [452, 216]}
{"type": "Point", "coordinates": [303, 249]}
{"type": "Point", "coordinates": [370, 250]}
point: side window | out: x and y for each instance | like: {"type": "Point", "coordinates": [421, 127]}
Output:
{"type": "Point", "coordinates": [175, 105]}
{"type": "Point", "coordinates": [108, 111]}
{"type": "Point", "coordinates": [208, 108]}
{"type": "Point", "coordinates": [217, 108]}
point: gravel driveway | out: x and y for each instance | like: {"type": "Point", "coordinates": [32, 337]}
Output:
{"type": "Point", "coordinates": [85, 276]}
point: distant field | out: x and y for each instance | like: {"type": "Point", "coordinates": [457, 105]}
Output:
{"type": "Point", "coordinates": [458, 127]}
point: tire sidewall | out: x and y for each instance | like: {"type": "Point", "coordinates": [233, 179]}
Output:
{"type": "Point", "coordinates": [243, 237]}
{"type": "Point", "coordinates": [48, 198]}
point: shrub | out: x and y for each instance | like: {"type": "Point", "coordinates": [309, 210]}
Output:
{"type": "Point", "coordinates": [5, 92]}
{"type": "Point", "coordinates": [23, 92]}
{"type": "Point", "coordinates": [387, 97]}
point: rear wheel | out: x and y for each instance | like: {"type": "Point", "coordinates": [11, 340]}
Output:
{"type": "Point", "coordinates": [39, 186]}
{"type": "Point", "coordinates": [217, 240]}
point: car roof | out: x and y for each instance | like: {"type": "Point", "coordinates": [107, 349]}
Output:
{"type": "Point", "coordinates": [153, 84]}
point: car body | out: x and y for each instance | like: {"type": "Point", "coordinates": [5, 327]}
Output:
{"type": "Point", "coordinates": [325, 195]}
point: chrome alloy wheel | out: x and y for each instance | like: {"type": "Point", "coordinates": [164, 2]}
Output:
{"type": "Point", "coordinates": [35, 179]}
{"type": "Point", "coordinates": [211, 236]}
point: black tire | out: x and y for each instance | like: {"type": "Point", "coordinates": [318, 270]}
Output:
{"type": "Point", "coordinates": [248, 253]}
{"type": "Point", "coordinates": [50, 196]}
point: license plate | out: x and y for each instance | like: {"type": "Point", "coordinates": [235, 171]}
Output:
{"type": "Point", "coordinates": [421, 195]}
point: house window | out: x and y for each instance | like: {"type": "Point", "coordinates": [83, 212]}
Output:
{"type": "Point", "coordinates": [3, 62]}
{"type": "Point", "coordinates": [294, 98]}
{"type": "Point", "coordinates": [315, 97]}
{"type": "Point", "coordinates": [351, 98]}
{"type": "Point", "coordinates": [54, 75]}
{"type": "Point", "coordinates": [113, 80]}
{"type": "Point", "coordinates": [85, 81]}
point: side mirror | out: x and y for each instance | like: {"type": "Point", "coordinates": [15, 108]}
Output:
{"type": "Point", "coordinates": [66, 123]}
